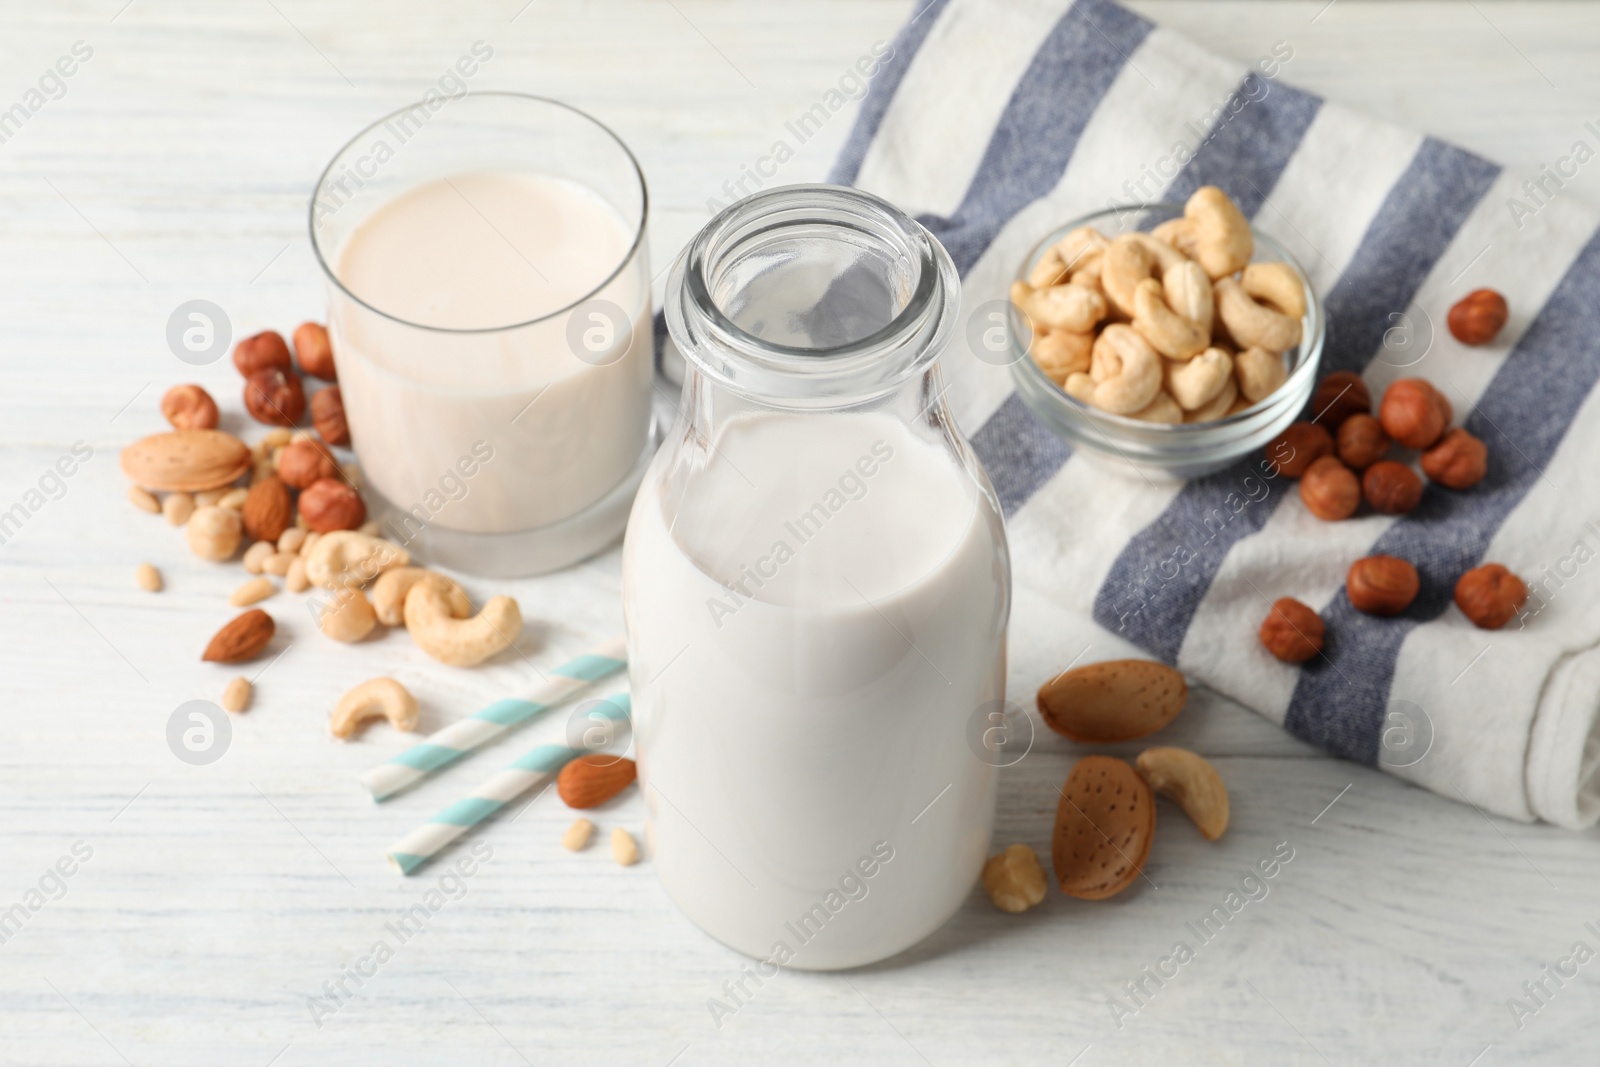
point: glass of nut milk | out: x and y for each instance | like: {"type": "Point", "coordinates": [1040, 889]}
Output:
{"type": "Point", "coordinates": [489, 310]}
{"type": "Point", "coordinates": [817, 585]}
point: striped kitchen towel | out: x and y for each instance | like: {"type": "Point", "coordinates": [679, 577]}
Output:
{"type": "Point", "coordinates": [994, 121]}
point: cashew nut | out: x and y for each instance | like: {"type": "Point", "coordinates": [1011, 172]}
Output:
{"type": "Point", "coordinates": [1187, 288]}
{"type": "Point", "coordinates": [347, 616]}
{"type": "Point", "coordinates": [1126, 370]}
{"type": "Point", "coordinates": [376, 698]}
{"type": "Point", "coordinates": [1196, 383]}
{"type": "Point", "coordinates": [1060, 307]}
{"type": "Point", "coordinates": [389, 595]}
{"type": "Point", "coordinates": [1253, 324]}
{"type": "Point", "coordinates": [1168, 332]}
{"type": "Point", "coordinates": [1080, 387]}
{"type": "Point", "coordinates": [1129, 260]}
{"type": "Point", "coordinates": [459, 642]}
{"type": "Point", "coordinates": [1223, 242]}
{"type": "Point", "coordinates": [1277, 284]}
{"type": "Point", "coordinates": [1179, 233]}
{"type": "Point", "coordinates": [1162, 409]}
{"type": "Point", "coordinates": [1077, 248]}
{"type": "Point", "coordinates": [1260, 373]}
{"type": "Point", "coordinates": [1192, 783]}
{"type": "Point", "coordinates": [1050, 270]}
{"type": "Point", "coordinates": [345, 557]}
{"type": "Point", "coordinates": [1219, 405]}
{"type": "Point", "coordinates": [1060, 353]}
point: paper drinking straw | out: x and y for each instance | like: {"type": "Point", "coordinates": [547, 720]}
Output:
{"type": "Point", "coordinates": [537, 767]}
{"type": "Point", "coordinates": [456, 740]}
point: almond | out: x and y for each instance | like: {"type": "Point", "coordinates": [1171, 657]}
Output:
{"type": "Point", "coordinates": [1118, 700]}
{"type": "Point", "coordinates": [1104, 826]}
{"type": "Point", "coordinates": [268, 510]}
{"type": "Point", "coordinates": [186, 460]}
{"type": "Point", "coordinates": [592, 780]}
{"type": "Point", "coordinates": [241, 639]}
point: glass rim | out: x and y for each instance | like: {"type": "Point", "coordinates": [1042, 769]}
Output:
{"type": "Point", "coordinates": [627, 257]}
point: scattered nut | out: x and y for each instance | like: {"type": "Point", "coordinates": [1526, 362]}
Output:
{"type": "Point", "coordinates": [177, 508]}
{"type": "Point", "coordinates": [330, 504]}
{"type": "Point", "coordinates": [1330, 490]}
{"type": "Point", "coordinates": [255, 557]}
{"type": "Point", "coordinates": [1013, 879]}
{"type": "Point", "coordinates": [314, 352]}
{"type": "Point", "coordinates": [389, 594]}
{"type": "Point", "coordinates": [295, 579]}
{"type": "Point", "coordinates": [189, 407]}
{"type": "Point", "coordinates": [278, 563]}
{"type": "Point", "coordinates": [251, 592]}
{"type": "Point", "coordinates": [459, 642]}
{"type": "Point", "coordinates": [1192, 783]}
{"type": "Point", "coordinates": [576, 839]}
{"type": "Point", "coordinates": [1115, 700]}
{"type": "Point", "coordinates": [1391, 488]}
{"type": "Point", "coordinates": [1104, 825]}
{"type": "Point", "coordinates": [1458, 461]}
{"type": "Point", "coordinates": [1476, 318]}
{"type": "Point", "coordinates": [1382, 585]}
{"type": "Point", "coordinates": [1414, 413]}
{"type": "Point", "coordinates": [143, 499]}
{"type": "Point", "coordinates": [1338, 396]}
{"type": "Point", "coordinates": [1298, 446]}
{"type": "Point", "coordinates": [1490, 596]}
{"type": "Point", "coordinates": [291, 540]}
{"type": "Point", "coordinates": [185, 460]}
{"type": "Point", "coordinates": [214, 533]}
{"type": "Point", "coordinates": [375, 698]}
{"type": "Point", "coordinates": [624, 849]}
{"type": "Point", "coordinates": [345, 557]}
{"type": "Point", "coordinates": [304, 463]}
{"type": "Point", "coordinates": [263, 351]}
{"type": "Point", "coordinates": [347, 616]}
{"type": "Point", "coordinates": [236, 694]}
{"type": "Point", "coordinates": [275, 397]}
{"type": "Point", "coordinates": [592, 779]}
{"type": "Point", "coordinates": [267, 509]}
{"type": "Point", "coordinates": [1292, 632]}
{"type": "Point", "coordinates": [242, 638]}
{"type": "Point", "coordinates": [234, 499]}
{"type": "Point", "coordinates": [1362, 441]}
{"type": "Point", "coordinates": [148, 578]}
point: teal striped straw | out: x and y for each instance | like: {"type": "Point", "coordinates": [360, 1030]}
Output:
{"type": "Point", "coordinates": [536, 768]}
{"type": "Point", "coordinates": [454, 741]}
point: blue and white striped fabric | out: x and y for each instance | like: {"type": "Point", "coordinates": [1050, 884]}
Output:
{"type": "Point", "coordinates": [994, 122]}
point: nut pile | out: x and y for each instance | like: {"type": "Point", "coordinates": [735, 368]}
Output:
{"type": "Point", "coordinates": [588, 782]}
{"type": "Point", "coordinates": [1175, 325]}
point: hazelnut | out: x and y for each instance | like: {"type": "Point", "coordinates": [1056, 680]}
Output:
{"type": "Point", "coordinates": [306, 461]}
{"type": "Point", "coordinates": [1298, 446]}
{"type": "Point", "coordinates": [1292, 631]}
{"type": "Point", "coordinates": [330, 504]}
{"type": "Point", "coordinates": [1362, 441]}
{"type": "Point", "coordinates": [327, 415]}
{"type": "Point", "coordinates": [189, 407]}
{"type": "Point", "coordinates": [1414, 413]}
{"type": "Point", "coordinates": [1338, 396]}
{"type": "Point", "coordinates": [263, 351]}
{"type": "Point", "coordinates": [1330, 490]}
{"type": "Point", "coordinates": [1458, 461]}
{"type": "Point", "coordinates": [1477, 317]}
{"type": "Point", "coordinates": [1390, 487]}
{"type": "Point", "coordinates": [1490, 596]}
{"type": "Point", "coordinates": [313, 352]}
{"type": "Point", "coordinates": [1382, 585]}
{"type": "Point", "coordinates": [275, 397]}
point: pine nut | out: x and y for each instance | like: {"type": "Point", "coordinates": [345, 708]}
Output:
{"type": "Point", "coordinates": [624, 849]}
{"type": "Point", "coordinates": [576, 839]}
{"type": "Point", "coordinates": [236, 694]}
{"type": "Point", "coordinates": [143, 499]}
{"type": "Point", "coordinates": [177, 508]}
{"type": "Point", "coordinates": [148, 578]}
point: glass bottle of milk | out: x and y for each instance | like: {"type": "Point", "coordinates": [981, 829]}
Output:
{"type": "Point", "coordinates": [817, 586]}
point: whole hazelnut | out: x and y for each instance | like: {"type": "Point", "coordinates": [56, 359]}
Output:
{"type": "Point", "coordinates": [314, 353]}
{"type": "Point", "coordinates": [331, 504]}
{"type": "Point", "coordinates": [275, 397]}
{"type": "Point", "coordinates": [1292, 631]}
{"type": "Point", "coordinates": [1458, 461]}
{"type": "Point", "coordinates": [327, 415]}
{"type": "Point", "coordinates": [1298, 446]}
{"type": "Point", "coordinates": [1338, 396]}
{"type": "Point", "coordinates": [1414, 413]}
{"type": "Point", "coordinates": [263, 351]}
{"type": "Point", "coordinates": [1391, 488]}
{"type": "Point", "coordinates": [1330, 490]}
{"type": "Point", "coordinates": [1382, 585]}
{"type": "Point", "coordinates": [1490, 596]}
{"type": "Point", "coordinates": [306, 461]}
{"type": "Point", "coordinates": [189, 407]}
{"type": "Point", "coordinates": [1362, 441]}
{"type": "Point", "coordinates": [1477, 317]}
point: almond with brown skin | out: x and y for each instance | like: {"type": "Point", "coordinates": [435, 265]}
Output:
{"type": "Point", "coordinates": [189, 461]}
{"type": "Point", "coordinates": [267, 510]}
{"type": "Point", "coordinates": [591, 780]}
{"type": "Point", "coordinates": [1104, 825]}
{"type": "Point", "coordinates": [241, 639]}
{"type": "Point", "coordinates": [1118, 700]}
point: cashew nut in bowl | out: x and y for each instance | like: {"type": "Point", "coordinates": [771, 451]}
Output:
{"type": "Point", "coordinates": [459, 642]}
{"type": "Point", "coordinates": [1125, 369]}
{"type": "Point", "coordinates": [346, 557]}
{"type": "Point", "coordinates": [389, 595]}
{"type": "Point", "coordinates": [1252, 324]}
{"type": "Point", "coordinates": [1060, 307]}
{"type": "Point", "coordinates": [1061, 352]}
{"type": "Point", "coordinates": [1079, 247]}
{"type": "Point", "coordinates": [1080, 387]}
{"type": "Point", "coordinates": [1162, 409]}
{"type": "Point", "coordinates": [1168, 332]}
{"type": "Point", "coordinates": [1277, 284]}
{"type": "Point", "coordinates": [1260, 373]}
{"type": "Point", "coordinates": [1050, 270]}
{"type": "Point", "coordinates": [1223, 242]}
{"type": "Point", "coordinates": [1129, 260]}
{"type": "Point", "coordinates": [375, 698]}
{"type": "Point", "coordinates": [1187, 288]}
{"type": "Point", "coordinates": [1179, 233]}
{"type": "Point", "coordinates": [1195, 383]}
{"type": "Point", "coordinates": [1219, 405]}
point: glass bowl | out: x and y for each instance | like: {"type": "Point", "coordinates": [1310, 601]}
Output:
{"type": "Point", "coordinates": [1184, 450]}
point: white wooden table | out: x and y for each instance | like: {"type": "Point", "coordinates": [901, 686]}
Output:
{"type": "Point", "coordinates": [219, 899]}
